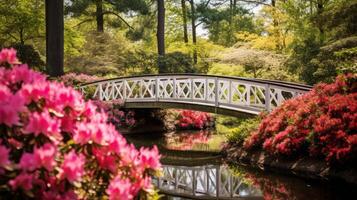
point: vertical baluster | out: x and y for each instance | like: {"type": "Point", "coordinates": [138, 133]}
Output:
{"type": "Point", "coordinates": [267, 97]}
{"type": "Point", "coordinates": [192, 88]}
{"type": "Point", "coordinates": [141, 88]}
{"type": "Point", "coordinates": [218, 181]}
{"type": "Point", "coordinates": [194, 182]}
{"type": "Point", "coordinates": [157, 88]}
{"type": "Point", "coordinates": [216, 95]}
{"type": "Point", "coordinates": [248, 94]}
{"type": "Point", "coordinates": [230, 92]}
{"type": "Point", "coordinates": [174, 87]}
{"type": "Point", "coordinates": [206, 180]}
{"type": "Point", "coordinates": [125, 82]}
{"type": "Point", "coordinates": [205, 87]}
{"type": "Point", "coordinates": [100, 92]}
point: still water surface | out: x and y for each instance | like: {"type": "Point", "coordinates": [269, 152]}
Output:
{"type": "Point", "coordinates": [194, 169]}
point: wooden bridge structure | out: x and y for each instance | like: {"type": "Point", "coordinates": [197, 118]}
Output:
{"type": "Point", "coordinates": [217, 94]}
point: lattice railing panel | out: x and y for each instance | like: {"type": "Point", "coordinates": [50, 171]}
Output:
{"type": "Point", "coordinates": [236, 94]}
{"type": "Point", "coordinates": [204, 181]}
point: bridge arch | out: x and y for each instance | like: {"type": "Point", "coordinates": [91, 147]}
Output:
{"type": "Point", "coordinates": [220, 94]}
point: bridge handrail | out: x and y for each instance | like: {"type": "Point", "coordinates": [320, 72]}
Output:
{"type": "Point", "coordinates": [286, 84]}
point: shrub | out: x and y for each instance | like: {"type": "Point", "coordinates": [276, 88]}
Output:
{"type": "Point", "coordinates": [188, 119]}
{"type": "Point", "coordinates": [116, 116]}
{"type": "Point", "coordinates": [54, 145]}
{"type": "Point", "coordinates": [177, 62]}
{"type": "Point", "coordinates": [243, 130]}
{"type": "Point", "coordinates": [112, 108]}
{"type": "Point", "coordinates": [29, 55]}
{"type": "Point", "coordinates": [73, 79]}
{"type": "Point", "coordinates": [322, 122]}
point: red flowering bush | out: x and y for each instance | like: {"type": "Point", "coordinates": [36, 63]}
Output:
{"type": "Point", "coordinates": [322, 122]}
{"type": "Point", "coordinates": [188, 119]}
{"type": "Point", "coordinates": [55, 145]}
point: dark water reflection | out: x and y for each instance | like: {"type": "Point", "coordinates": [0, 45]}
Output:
{"type": "Point", "coordinates": [193, 172]}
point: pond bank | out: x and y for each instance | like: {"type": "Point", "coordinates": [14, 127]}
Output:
{"type": "Point", "coordinates": [302, 167]}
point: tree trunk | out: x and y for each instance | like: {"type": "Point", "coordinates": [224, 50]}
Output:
{"type": "Point", "coordinates": [320, 7]}
{"type": "Point", "coordinates": [194, 37]}
{"type": "Point", "coordinates": [54, 37]}
{"type": "Point", "coordinates": [99, 15]}
{"type": "Point", "coordinates": [161, 34]}
{"type": "Point", "coordinates": [276, 30]}
{"type": "Point", "coordinates": [184, 19]}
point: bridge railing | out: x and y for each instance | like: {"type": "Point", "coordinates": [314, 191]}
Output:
{"type": "Point", "coordinates": [206, 182]}
{"type": "Point", "coordinates": [250, 95]}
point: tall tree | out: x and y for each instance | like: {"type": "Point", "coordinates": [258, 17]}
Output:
{"type": "Point", "coordinates": [54, 37]}
{"type": "Point", "coordinates": [99, 15]}
{"type": "Point", "coordinates": [194, 35]}
{"type": "Point", "coordinates": [160, 34]}
{"type": "Point", "coordinates": [184, 20]}
{"type": "Point", "coordinates": [21, 21]}
{"type": "Point", "coordinates": [113, 7]}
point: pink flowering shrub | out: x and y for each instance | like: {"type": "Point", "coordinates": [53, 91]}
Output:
{"type": "Point", "coordinates": [55, 145]}
{"type": "Point", "coordinates": [117, 116]}
{"type": "Point", "coordinates": [188, 119]}
{"type": "Point", "coordinates": [73, 79]}
{"type": "Point", "coordinates": [322, 122]}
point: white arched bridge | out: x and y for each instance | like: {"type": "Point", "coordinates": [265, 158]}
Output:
{"type": "Point", "coordinates": [219, 94]}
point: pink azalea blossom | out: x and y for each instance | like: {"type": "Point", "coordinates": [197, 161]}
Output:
{"type": "Point", "coordinates": [119, 189]}
{"type": "Point", "coordinates": [45, 156]}
{"type": "Point", "coordinates": [10, 106]}
{"type": "Point", "coordinates": [4, 156]}
{"type": "Point", "coordinates": [28, 162]}
{"type": "Point", "coordinates": [8, 56]}
{"type": "Point", "coordinates": [22, 74]}
{"type": "Point", "coordinates": [149, 158]}
{"type": "Point", "coordinates": [23, 180]}
{"type": "Point", "coordinates": [72, 167]}
{"type": "Point", "coordinates": [82, 133]}
{"type": "Point", "coordinates": [43, 119]}
{"type": "Point", "coordinates": [105, 159]}
{"type": "Point", "coordinates": [42, 123]}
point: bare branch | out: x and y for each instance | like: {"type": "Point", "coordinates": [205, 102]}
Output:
{"type": "Point", "coordinates": [82, 22]}
{"type": "Point", "coordinates": [116, 14]}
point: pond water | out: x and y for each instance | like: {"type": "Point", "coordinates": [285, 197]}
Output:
{"type": "Point", "coordinates": [194, 169]}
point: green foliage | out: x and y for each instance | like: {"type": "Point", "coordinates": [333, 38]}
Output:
{"type": "Point", "coordinates": [236, 129]}
{"type": "Point", "coordinates": [223, 23]}
{"type": "Point", "coordinates": [227, 70]}
{"type": "Point", "coordinates": [243, 130]}
{"type": "Point", "coordinates": [177, 62]}
{"type": "Point", "coordinates": [21, 21]}
{"type": "Point", "coordinates": [28, 54]}
{"type": "Point", "coordinates": [101, 55]}
{"type": "Point", "coordinates": [318, 37]}
{"type": "Point", "coordinates": [336, 58]}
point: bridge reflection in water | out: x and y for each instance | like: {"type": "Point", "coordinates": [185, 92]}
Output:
{"type": "Point", "coordinates": [204, 182]}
